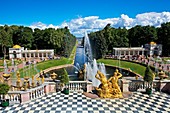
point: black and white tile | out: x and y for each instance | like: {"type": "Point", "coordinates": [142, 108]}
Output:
{"type": "Point", "coordinates": [78, 103]}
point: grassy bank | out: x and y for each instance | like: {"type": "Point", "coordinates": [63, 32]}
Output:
{"type": "Point", "coordinates": [31, 70]}
{"type": "Point", "coordinates": [34, 69]}
{"type": "Point", "coordinates": [137, 68]}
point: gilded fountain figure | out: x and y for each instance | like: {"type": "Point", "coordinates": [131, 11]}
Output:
{"type": "Point", "coordinates": [116, 92]}
{"type": "Point", "coordinates": [109, 88]}
{"type": "Point", "coordinates": [18, 82]}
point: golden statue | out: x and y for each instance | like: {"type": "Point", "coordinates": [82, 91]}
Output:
{"type": "Point", "coordinates": [18, 82]}
{"type": "Point", "coordinates": [33, 83]}
{"type": "Point", "coordinates": [109, 88]}
{"type": "Point", "coordinates": [1, 79]}
{"type": "Point", "coordinates": [32, 77]}
{"type": "Point", "coordinates": [42, 80]}
{"type": "Point", "coordinates": [115, 87]}
{"type": "Point", "coordinates": [82, 73]}
{"type": "Point", "coordinates": [103, 90]}
{"type": "Point", "coordinates": [18, 76]}
{"type": "Point", "coordinates": [25, 85]}
{"type": "Point", "coordinates": [38, 81]}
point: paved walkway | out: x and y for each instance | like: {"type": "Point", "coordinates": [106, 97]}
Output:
{"type": "Point", "coordinates": [77, 103]}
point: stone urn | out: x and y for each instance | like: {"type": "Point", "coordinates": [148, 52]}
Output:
{"type": "Point", "coordinates": [53, 76]}
{"type": "Point", "coordinates": [6, 76]}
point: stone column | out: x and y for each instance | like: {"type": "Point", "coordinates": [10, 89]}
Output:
{"type": "Point", "coordinates": [30, 55]}
{"type": "Point", "coordinates": [120, 53]}
{"type": "Point", "coordinates": [38, 54]}
{"type": "Point", "coordinates": [124, 85]}
{"type": "Point", "coordinates": [142, 52]}
{"type": "Point", "coordinates": [47, 55]}
{"type": "Point", "coordinates": [138, 52]}
{"type": "Point", "coordinates": [133, 52]}
{"type": "Point", "coordinates": [129, 52]}
{"type": "Point", "coordinates": [42, 55]}
{"type": "Point", "coordinates": [89, 86]}
{"type": "Point", "coordinates": [34, 55]}
{"type": "Point", "coordinates": [25, 55]}
{"type": "Point", "coordinates": [21, 55]}
{"type": "Point", "coordinates": [25, 97]}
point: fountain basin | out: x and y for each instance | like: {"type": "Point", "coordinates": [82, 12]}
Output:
{"type": "Point", "coordinates": [73, 71]}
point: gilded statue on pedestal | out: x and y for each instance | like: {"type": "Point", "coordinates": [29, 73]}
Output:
{"type": "Point", "coordinates": [103, 90]}
{"type": "Point", "coordinates": [33, 83]}
{"type": "Point", "coordinates": [115, 87]}
{"type": "Point", "coordinates": [82, 73]}
{"type": "Point", "coordinates": [109, 88]}
{"type": "Point", "coordinates": [42, 80]}
{"type": "Point", "coordinates": [18, 82]}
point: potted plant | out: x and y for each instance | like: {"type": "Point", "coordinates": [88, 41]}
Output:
{"type": "Point", "coordinates": [148, 78]}
{"type": "Point", "coordinates": [4, 88]}
{"type": "Point", "coordinates": [65, 81]}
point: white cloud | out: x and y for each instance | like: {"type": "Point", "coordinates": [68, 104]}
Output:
{"type": "Point", "coordinates": [79, 25]}
{"type": "Point", "coordinates": [41, 25]}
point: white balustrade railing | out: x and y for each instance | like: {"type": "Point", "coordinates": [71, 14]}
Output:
{"type": "Point", "coordinates": [77, 85]}
{"type": "Point", "coordinates": [37, 92]}
{"type": "Point", "coordinates": [15, 96]}
{"type": "Point", "coordinates": [135, 85]}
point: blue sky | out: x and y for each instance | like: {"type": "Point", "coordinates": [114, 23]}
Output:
{"type": "Point", "coordinates": [57, 12]}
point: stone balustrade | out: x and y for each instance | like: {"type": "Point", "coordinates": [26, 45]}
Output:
{"type": "Point", "coordinates": [13, 97]}
{"type": "Point", "coordinates": [80, 86]}
{"type": "Point", "coordinates": [28, 95]}
{"type": "Point", "coordinates": [36, 92]}
{"type": "Point", "coordinates": [77, 86]}
{"type": "Point", "coordinates": [141, 85]}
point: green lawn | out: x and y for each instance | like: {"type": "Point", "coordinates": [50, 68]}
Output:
{"type": "Point", "coordinates": [30, 70]}
{"type": "Point", "coordinates": [73, 53]}
{"type": "Point", "coordinates": [137, 68]}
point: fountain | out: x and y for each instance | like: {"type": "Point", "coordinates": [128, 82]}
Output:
{"type": "Point", "coordinates": [6, 74]}
{"type": "Point", "coordinates": [14, 67]}
{"type": "Point", "coordinates": [5, 67]}
{"type": "Point", "coordinates": [91, 65]}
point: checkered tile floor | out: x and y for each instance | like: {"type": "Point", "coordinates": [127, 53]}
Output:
{"type": "Point", "coordinates": [78, 103]}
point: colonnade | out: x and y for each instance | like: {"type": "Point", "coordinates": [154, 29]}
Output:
{"type": "Point", "coordinates": [37, 54]}
{"type": "Point", "coordinates": [128, 51]}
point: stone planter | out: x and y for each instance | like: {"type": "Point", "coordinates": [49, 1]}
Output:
{"type": "Point", "coordinates": [148, 91]}
{"type": "Point", "coordinates": [66, 91]}
{"type": "Point", "coordinates": [5, 103]}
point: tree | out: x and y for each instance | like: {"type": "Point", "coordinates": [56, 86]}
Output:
{"type": "Point", "coordinates": [149, 75]}
{"type": "Point", "coordinates": [23, 36]}
{"type": "Point", "coordinates": [64, 77]}
{"type": "Point", "coordinates": [164, 38]}
{"type": "Point", "coordinates": [4, 88]}
{"type": "Point", "coordinates": [5, 39]}
{"type": "Point", "coordinates": [140, 35]}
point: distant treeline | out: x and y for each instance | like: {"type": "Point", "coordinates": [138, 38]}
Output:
{"type": "Point", "coordinates": [104, 40]}
{"type": "Point", "coordinates": [61, 40]}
